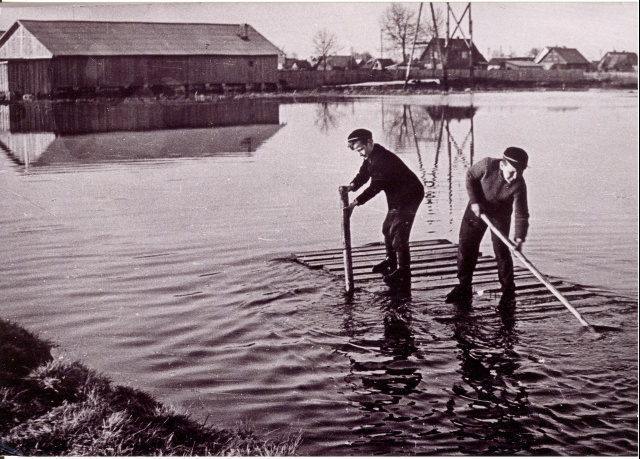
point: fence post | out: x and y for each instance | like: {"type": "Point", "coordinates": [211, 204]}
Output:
{"type": "Point", "coordinates": [346, 239]}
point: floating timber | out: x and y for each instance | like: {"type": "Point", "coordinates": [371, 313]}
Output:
{"type": "Point", "coordinates": [433, 266]}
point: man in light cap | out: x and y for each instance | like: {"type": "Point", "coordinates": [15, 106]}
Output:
{"type": "Point", "coordinates": [404, 193]}
{"type": "Point", "coordinates": [496, 188]}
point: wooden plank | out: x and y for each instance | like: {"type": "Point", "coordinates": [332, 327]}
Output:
{"type": "Point", "coordinates": [359, 255]}
{"type": "Point", "coordinates": [452, 281]}
{"type": "Point", "coordinates": [436, 260]}
{"type": "Point", "coordinates": [379, 253]}
{"type": "Point", "coordinates": [373, 245]}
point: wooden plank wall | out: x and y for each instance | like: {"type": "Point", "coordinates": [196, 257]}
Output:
{"type": "Point", "coordinates": [40, 77]}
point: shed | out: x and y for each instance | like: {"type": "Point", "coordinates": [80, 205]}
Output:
{"type": "Point", "coordinates": [618, 62]}
{"type": "Point", "coordinates": [45, 57]}
{"type": "Point", "coordinates": [382, 63]}
{"type": "Point", "coordinates": [562, 58]}
{"type": "Point", "coordinates": [457, 51]}
{"type": "Point", "coordinates": [502, 63]}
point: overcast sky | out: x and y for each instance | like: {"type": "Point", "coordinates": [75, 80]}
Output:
{"type": "Point", "coordinates": [592, 27]}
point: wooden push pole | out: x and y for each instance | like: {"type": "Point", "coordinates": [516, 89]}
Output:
{"type": "Point", "coordinates": [346, 238]}
{"type": "Point", "coordinates": [533, 269]}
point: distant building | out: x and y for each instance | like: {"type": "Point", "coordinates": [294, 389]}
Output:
{"type": "Point", "coordinates": [45, 57]}
{"type": "Point", "coordinates": [521, 65]}
{"type": "Point", "coordinates": [336, 63]}
{"type": "Point", "coordinates": [561, 58]}
{"type": "Point", "coordinates": [381, 64]}
{"type": "Point", "coordinates": [457, 54]}
{"type": "Point", "coordinates": [510, 63]}
{"type": "Point", "coordinates": [296, 64]}
{"type": "Point", "coordinates": [618, 62]}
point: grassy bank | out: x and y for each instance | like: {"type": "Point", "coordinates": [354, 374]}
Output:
{"type": "Point", "coordinates": [50, 407]}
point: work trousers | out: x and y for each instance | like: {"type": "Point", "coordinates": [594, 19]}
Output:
{"type": "Point", "coordinates": [397, 225]}
{"type": "Point", "coordinates": [472, 231]}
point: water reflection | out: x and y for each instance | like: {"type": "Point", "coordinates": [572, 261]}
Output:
{"type": "Point", "coordinates": [487, 403]}
{"type": "Point", "coordinates": [442, 137]}
{"type": "Point", "coordinates": [386, 374]}
{"type": "Point", "coordinates": [52, 133]}
{"type": "Point", "coordinates": [389, 372]}
{"type": "Point", "coordinates": [328, 115]}
{"type": "Point", "coordinates": [397, 368]}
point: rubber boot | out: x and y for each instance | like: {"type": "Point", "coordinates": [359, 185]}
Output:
{"type": "Point", "coordinates": [460, 294]}
{"type": "Point", "coordinates": [401, 277]}
{"type": "Point", "coordinates": [388, 265]}
{"type": "Point", "coordinates": [508, 298]}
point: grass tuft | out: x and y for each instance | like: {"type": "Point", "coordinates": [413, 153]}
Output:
{"type": "Point", "coordinates": [57, 408]}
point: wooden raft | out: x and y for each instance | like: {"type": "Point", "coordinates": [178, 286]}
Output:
{"type": "Point", "coordinates": [433, 266]}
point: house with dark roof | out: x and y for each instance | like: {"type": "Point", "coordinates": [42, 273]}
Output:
{"type": "Point", "coordinates": [296, 64]}
{"type": "Point", "coordinates": [41, 58]}
{"type": "Point", "coordinates": [459, 55]}
{"type": "Point", "coordinates": [618, 62]}
{"type": "Point", "coordinates": [561, 58]}
{"type": "Point", "coordinates": [336, 63]}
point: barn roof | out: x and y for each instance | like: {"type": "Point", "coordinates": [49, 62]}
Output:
{"type": "Point", "coordinates": [81, 38]}
{"type": "Point", "coordinates": [454, 44]}
{"type": "Point", "coordinates": [568, 55]}
{"type": "Point", "coordinates": [614, 60]}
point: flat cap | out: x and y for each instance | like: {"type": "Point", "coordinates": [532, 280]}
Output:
{"type": "Point", "coordinates": [359, 134]}
{"type": "Point", "coordinates": [517, 157]}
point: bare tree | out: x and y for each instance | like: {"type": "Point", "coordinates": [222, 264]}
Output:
{"type": "Point", "coordinates": [398, 24]}
{"type": "Point", "coordinates": [533, 52]}
{"type": "Point", "coordinates": [325, 44]}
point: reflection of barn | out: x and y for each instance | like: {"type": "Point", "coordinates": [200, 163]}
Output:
{"type": "Point", "coordinates": [47, 133]}
{"type": "Point", "coordinates": [449, 112]}
{"type": "Point", "coordinates": [45, 58]}
{"type": "Point", "coordinates": [69, 118]}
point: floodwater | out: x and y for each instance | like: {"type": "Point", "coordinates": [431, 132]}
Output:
{"type": "Point", "coordinates": [152, 241]}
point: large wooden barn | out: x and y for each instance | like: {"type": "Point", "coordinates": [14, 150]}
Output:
{"type": "Point", "coordinates": [47, 58]}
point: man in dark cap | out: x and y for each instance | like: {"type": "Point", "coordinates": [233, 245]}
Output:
{"type": "Point", "coordinates": [404, 193]}
{"type": "Point", "coordinates": [496, 188]}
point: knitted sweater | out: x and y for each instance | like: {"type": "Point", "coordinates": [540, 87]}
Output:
{"type": "Point", "coordinates": [497, 198]}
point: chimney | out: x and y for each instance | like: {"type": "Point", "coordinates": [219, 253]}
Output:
{"type": "Point", "coordinates": [244, 31]}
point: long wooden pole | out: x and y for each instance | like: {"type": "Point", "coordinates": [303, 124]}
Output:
{"type": "Point", "coordinates": [346, 238]}
{"type": "Point", "coordinates": [413, 48]}
{"type": "Point", "coordinates": [533, 269]}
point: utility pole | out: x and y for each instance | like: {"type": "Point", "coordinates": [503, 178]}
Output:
{"type": "Point", "coordinates": [443, 57]}
{"type": "Point", "coordinates": [413, 48]}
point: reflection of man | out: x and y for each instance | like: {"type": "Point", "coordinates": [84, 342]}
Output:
{"type": "Point", "coordinates": [496, 188]}
{"type": "Point", "coordinates": [404, 193]}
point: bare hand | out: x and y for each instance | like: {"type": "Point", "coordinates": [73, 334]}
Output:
{"type": "Point", "coordinates": [475, 208]}
{"type": "Point", "coordinates": [350, 207]}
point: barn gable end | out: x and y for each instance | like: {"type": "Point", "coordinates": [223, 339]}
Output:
{"type": "Point", "coordinates": [19, 43]}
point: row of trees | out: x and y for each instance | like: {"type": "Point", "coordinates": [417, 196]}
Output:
{"type": "Point", "coordinates": [399, 25]}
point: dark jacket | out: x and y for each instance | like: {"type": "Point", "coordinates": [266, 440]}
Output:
{"type": "Point", "coordinates": [498, 199]}
{"type": "Point", "coordinates": [389, 174]}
